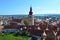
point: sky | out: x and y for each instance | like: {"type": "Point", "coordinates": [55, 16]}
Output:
{"type": "Point", "coordinates": [13, 7]}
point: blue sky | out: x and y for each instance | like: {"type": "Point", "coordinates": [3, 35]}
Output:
{"type": "Point", "coordinates": [9, 7]}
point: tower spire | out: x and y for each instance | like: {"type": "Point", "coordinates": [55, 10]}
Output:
{"type": "Point", "coordinates": [30, 9]}
{"type": "Point", "coordinates": [30, 12]}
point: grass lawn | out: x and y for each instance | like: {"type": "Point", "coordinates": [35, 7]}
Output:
{"type": "Point", "coordinates": [11, 37]}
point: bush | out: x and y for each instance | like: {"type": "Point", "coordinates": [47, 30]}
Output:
{"type": "Point", "coordinates": [22, 34]}
{"type": "Point", "coordinates": [17, 34]}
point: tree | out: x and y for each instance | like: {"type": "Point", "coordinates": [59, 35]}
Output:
{"type": "Point", "coordinates": [26, 22]}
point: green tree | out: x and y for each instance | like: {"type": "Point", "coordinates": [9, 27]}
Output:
{"type": "Point", "coordinates": [26, 22]}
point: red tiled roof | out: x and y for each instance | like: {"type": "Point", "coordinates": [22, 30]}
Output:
{"type": "Point", "coordinates": [15, 20]}
{"type": "Point", "coordinates": [43, 26]}
{"type": "Point", "coordinates": [1, 27]}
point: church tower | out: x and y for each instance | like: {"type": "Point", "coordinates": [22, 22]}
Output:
{"type": "Point", "coordinates": [30, 17]}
